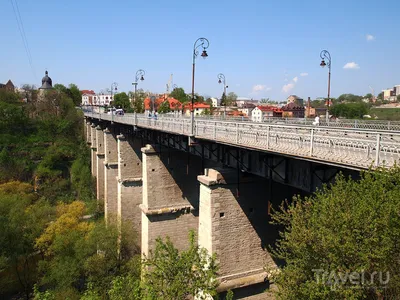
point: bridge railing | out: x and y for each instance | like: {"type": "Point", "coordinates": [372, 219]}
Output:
{"type": "Point", "coordinates": [360, 148]}
{"type": "Point", "coordinates": [338, 123]}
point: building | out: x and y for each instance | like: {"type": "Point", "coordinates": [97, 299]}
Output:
{"type": "Point", "coordinates": [391, 94]}
{"type": "Point", "coordinates": [198, 108]}
{"type": "Point", "coordinates": [215, 102]}
{"type": "Point", "coordinates": [152, 103]}
{"type": "Point", "coordinates": [241, 101]}
{"type": "Point", "coordinates": [293, 110]}
{"type": "Point", "coordinates": [311, 112]}
{"type": "Point", "coordinates": [246, 109]}
{"type": "Point", "coordinates": [47, 83]}
{"type": "Point", "coordinates": [265, 111]}
{"type": "Point", "coordinates": [89, 97]}
{"type": "Point", "coordinates": [295, 99]}
{"type": "Point", "coordinates": [9, 86]}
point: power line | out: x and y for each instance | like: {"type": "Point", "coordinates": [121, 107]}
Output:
{"type": "Point", "coordinates": [23, 35]}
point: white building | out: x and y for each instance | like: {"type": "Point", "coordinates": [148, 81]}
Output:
{"type": "Point", "coordinates": [215, 102]}
{"type": "Point", "coordinates": [247, 109]}
{"type": "Point", "coordinates": [90, 98]}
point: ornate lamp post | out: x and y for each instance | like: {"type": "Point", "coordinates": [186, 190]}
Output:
{"type": "Point", "coordinates": [139, 76]}
{"type": "Point", "coordinates": [200, 42]}
{"type": "Point", "coordinates": [221, 79]}
{"type": "Point", "coordinates": [325, 55]}
{"type": "Point", "coordinates": [114, 87]}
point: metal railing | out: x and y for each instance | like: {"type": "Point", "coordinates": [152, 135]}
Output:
{"type": "Point", "coordinates": [355, 147]}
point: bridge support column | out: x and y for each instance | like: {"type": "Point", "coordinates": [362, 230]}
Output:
{"type": "Point", "coordinates": [166, 211]}
{"type": "Point", "coordinates": [100, 163]}
{"type": "Point", "coordinates": [93, 151]}
{"type": "Point", "coordinates": [130, 183]}
{"type": "Point", "coordinates": [88, 133]}
{"type": "Point", "coordinates": [110, 177]}
{"type": "Point", "coordinates": [233, 227]}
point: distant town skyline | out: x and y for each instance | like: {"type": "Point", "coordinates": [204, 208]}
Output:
{"type": "Point", "coordinates": [265, 50]}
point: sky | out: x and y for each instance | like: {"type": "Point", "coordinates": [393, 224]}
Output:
{"type": "Point", "coordinates": [265, 48]}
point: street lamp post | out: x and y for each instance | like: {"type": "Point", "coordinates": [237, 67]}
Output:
{"type": "Point", "coordinates": [139, 76]}
{"type": "Point", "coordinates": [221, 79]}
{"type": "Point", "coordinates": [325, 55]}
{"type": "Point", "coordinates": [200, 42]}
{"type": "Point", "coordinates": [114, 86]}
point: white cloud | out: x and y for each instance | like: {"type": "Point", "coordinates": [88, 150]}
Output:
{"type": "Point", "coordinates": [370, 37]}
{"type": "Point", "coordinates": [351, 65]}
{"type": "Point", "coordinates": [304, 74]}
{"type": "Point", "coordinates": [259, 88]}
{"type": "Point", "coordinates": [268, 89]}
{"type": "Point", "coordinates": [295, 79]}
{"type": "Point", "coordinates": [287, 87]}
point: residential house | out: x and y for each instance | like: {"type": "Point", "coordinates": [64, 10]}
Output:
{"type": "Point", "coordinates": [9, 86]}
{"type": "Point", "coordinates": [246, 109]}
{"type": "Point", "coordinates": [265, 111]}
{"type": "Point", "coordinates": [293, 110]}
{"type": "Point", "coordinates": [241, 101]}
{"type": "Point", "coordinates": [198, 108]}
{"type": "Point", "coordinates": [295, 99]}
{"type": "Point", "coordinates": [391, 94]}
{"type": "Point", "coordinates": [215, 102]}
{"type": "Point", "coordinates": [152, 103]}
{"type": "Point", "coordinates": [88, 97]}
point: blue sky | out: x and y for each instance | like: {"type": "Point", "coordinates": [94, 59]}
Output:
{"type": "Point", "coordinates": [262, 47]}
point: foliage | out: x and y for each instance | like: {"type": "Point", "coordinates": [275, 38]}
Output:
{"type": "Point", "coordinates": [22, 219]}
{"type": "Point", "coordinates": [392, 114]}
{"type": "Point", "coordinates": [138, 103]}
{"type": "Point", "coordinates": [398, 98]}
{"type": "Point", "coordinates": [179, 94]}
{"type": "Point", "coordinates": [344, 98]}
{"type": "Point", "coordinates": [349, 110]}
{"type": "Point", "coordinates": [380, 96]}
{"type": "Point", "coordinates": [170, 274]}
{"type": "Point", "coordinates": [352, 226]}
{"type": "Point", "coordinates": [75, 94]}
{"type": "Point", "coordinates": [231, 99]}
{"type": "Point", "coordinates": [164, 107]}
{"type": "Point", "coordinates": [78, 251]}
{"type": "Point", "coordinates": [121, 100]}
{"type": "Point", "coordinates": [223, 100]}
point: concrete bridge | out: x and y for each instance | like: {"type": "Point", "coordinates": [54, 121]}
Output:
{"type": "Point", "coordinates": [220, 182]}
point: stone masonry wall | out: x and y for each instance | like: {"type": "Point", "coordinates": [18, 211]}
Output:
{"type": "Point", "coordinates": [170, 199]}
{"type": "Point", "coordinates": [93, 150]}
{"type": "Point", "coordinates": [110, 177]}
{"type": "Point", "coordinates": [100, 163]}
{"type": "Point", "coordinates": [130, 183]}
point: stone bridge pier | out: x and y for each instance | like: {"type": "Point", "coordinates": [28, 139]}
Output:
{"type": "Point", "coordinates": [233, 223]}
{"type": "Point", "coordinates": [170, 196]}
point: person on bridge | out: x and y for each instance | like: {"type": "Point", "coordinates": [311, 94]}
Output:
{"type": "Point", "coordinates": [316, 121]}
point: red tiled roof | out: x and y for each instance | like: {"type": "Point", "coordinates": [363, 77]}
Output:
{"type": "Point", "coordinates": [173, 103]}
{"type": "Point", "coordinates": [88, 92]}
{"type": "Point", "coordinates": [197, 105]}
{"type": "Point", "coordinates": [269, 108]}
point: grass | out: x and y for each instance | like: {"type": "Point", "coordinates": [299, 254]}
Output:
{"type": "Point", "coordinates": [391, 114]}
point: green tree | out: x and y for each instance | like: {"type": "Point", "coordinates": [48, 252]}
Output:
{"type": "Point", "coordinates": [351, 226]}
{"type": "Point", "coordinates": [61, 88]}
{"type": "Point", "coordinates": [265, 100]}
{"type": "Point", "coordinates": [349, 110]}
{"type": "Point", "coordinates": [138, 102]}
{"type": "Point", "coordinates": [398, 98]}
{"type": "Point", "coordinates": [231, 99]}
{"type": "Point", "coordinates": [369, 96]}
{"type": "Point", "coordinates": [75, 94]}
{"type": "Point", "coordinates": [179, 94]}
{"type": "Point", "coordinates": [170, 274]}
{"type": "Point", "coordinates": [22, 219]}
{"type": "Point", "coordinates": [121, 100]}
{"type": "Point", "coordinates": [380, 96]}
{"type": "Point", "coordinates": [164, 107]}
{"type": "Point", "coordinates": [223, 101]}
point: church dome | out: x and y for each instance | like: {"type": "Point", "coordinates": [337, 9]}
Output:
{"type": "Point", "coordinates": [47, 83]}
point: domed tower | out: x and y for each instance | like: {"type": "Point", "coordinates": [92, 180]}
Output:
{"type": "Point", "coordinates": [47, 83]}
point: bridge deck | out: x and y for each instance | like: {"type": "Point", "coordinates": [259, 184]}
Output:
{"type": "Point", "coordinates": [358, 148]}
